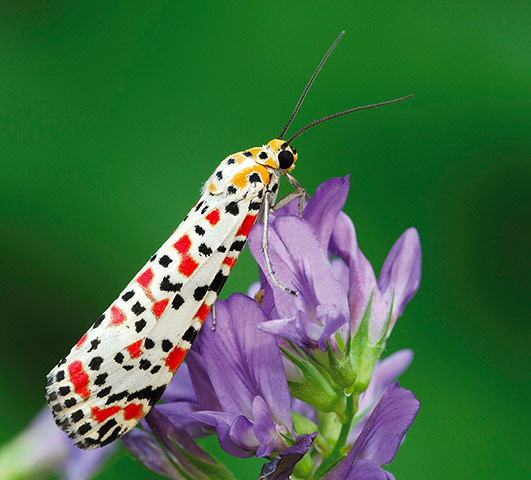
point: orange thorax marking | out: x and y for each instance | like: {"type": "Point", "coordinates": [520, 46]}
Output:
{"type": "Point", "coordinates": [240, 179]}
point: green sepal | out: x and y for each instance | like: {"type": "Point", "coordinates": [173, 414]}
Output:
{"type": "Point", "coordinates": [317, 387]}
{"type": "Point", "coordinates": [340, 368]}
{"type": "Point", "coordinates": [304, 467]}
{"type": "Point", "coordinates": [330, 426]}
{"type": "Point", "coordinates": [302, 425]}
{"type": "Point", "coordinates": [364, 354]}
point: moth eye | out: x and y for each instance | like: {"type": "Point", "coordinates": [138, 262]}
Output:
{"type": "Point", "coordinates": [285, 159]}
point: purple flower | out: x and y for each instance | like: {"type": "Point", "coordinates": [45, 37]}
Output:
{"type": "Point", "coordinates": [399, 278]}
{"type": "Point", "coordinates": [246, 398]}
{"type": "Point", "coordinates": [239, 391]}
{"type": "Point", "coordinates": [300, 262]}
{"type": "Point", "coordinates": [333, 295]}
{"type": "Point", "coordinates": [379, 440]}
{"type": "Point", "coordinates": [169, 450]}
{"type": "Point", "coordinates": [282, 466]}
{"type": "Point", "coordinates": [42, 449]}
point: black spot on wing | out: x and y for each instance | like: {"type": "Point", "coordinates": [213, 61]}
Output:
{"type": "Point", "coordinates": [255, 178]}
{"type": "Point", "coordinates": [218, 282]}
{"type": "Point", "coordinates": [95, 363]}
{"type": "Point", "coordinates": [149, 393]}
{"type": "Point", "coordinates": [116, 397]}
{"type": "Point", "coordinates": [97, 323]}
{"type": "Point", "coordinates": [94, 344]}
{"type": "Point", "coordinates": [232, 208]}
{"type": "Point", "coordinates": [104, 429]}
{"type": "Point", "coordinates": [205, 250]}
{"type": "Point", "coordinates": [167, 286]}
{"type": "Point", "coordinates": [86, 427]}
{"type": "Point", "coordinates": [139, 326]}
{"type": "Point", "coordinates": [138, 309]}
{"type": "Point", "coordinates": [127, 295]}
{"type": "Point", "coordinates": [177, 302]}
{"type": "Point", "coordinates": [190, 334]}
{"type": "Point", "coordinates": [237, 246]}
{"type": "Point", "coordinates": [165, 260]}
{"type": "Point", "coordinates": [200, 292]}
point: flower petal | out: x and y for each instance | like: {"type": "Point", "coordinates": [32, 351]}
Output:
{"type": "Point", "coordinates": [324, 207]}
{"type": "Point", "coordinates": [367, 470]}
{"type": "Point", "coordinates": [300, 263]}
{"type": "Point", "coordinates": [383, 433]}
{"type": "Point", "coordinates": [400, 276]}
{"type": "Point", "coordinates": [362, 280]}
{"type": "Point", "coordinates": [281, 467]}
{"type": "Point", "coordinates": [143, 446]}
{"type": "Point", "coordinates": [170, 433]}
{"type": "Point", "coordinates": [242, 361]}
{"type": "Point", "coordinates": [180, 388]}
{"type": "Point", "coordinates": [265, 429]}
{"type": "Point", "coordinates": [206, 395]}
{"type": "Point", "coordinates": [387, 425]}
{"type": "Point", "coordinates": [235, 433]}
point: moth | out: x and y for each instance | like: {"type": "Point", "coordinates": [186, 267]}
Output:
{"type": "Point", "coordinates": [120, 367]}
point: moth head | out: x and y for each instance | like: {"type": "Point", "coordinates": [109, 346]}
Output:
{"type": "Point", "coordinates": [285, 154]}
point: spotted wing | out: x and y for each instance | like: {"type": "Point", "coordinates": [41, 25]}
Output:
{"type": "Point", "coordinates": [122, 365]}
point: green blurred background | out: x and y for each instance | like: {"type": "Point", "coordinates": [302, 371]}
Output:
{"type": "Point", "coordinates": [112, 115]}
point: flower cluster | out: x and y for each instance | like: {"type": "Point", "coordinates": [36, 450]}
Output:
{"type": "Point", "coordinates": [295, 379]}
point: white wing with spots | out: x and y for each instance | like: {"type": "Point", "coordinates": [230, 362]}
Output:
{"type": "Point", "coordinates": [121, 366]}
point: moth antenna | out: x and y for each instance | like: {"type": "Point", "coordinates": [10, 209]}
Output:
{"type": "Point", "coordinates": [345, 112]}
{"type": "Point", "coordinates": [312, 79]}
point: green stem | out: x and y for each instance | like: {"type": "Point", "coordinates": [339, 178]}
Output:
{"type": "Point", "coordinates": [337, 452]}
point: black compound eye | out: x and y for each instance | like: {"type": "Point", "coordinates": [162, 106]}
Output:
{"type": "Point", "coordinates": [285, 159]}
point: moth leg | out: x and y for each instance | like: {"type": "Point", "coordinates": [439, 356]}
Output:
{"type": "Point", "coordinates": [265, 248]}
{"type": "Point", "coordinates": [299, 193]}
{"type": "Point", "coordinates": [213, 317]}
{"type": "Point", "coordinates": [297, 185]}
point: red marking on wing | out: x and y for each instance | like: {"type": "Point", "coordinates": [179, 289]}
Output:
{"type": "Point", "coordinates": [246, 225]}
{"type": "Point", "coordinates": [81, 340]}
{"type": "Point", "coordinates": [183, 244]}
{"type": "Point", "coordinates": [230, 261]}
{"type": "Point", "coordinates": [145, 278]}
{"type": "Point", "coordinates": [213, 217]}
{"type": "Point", "coordinates": [188, 265]}
{"type": "Point", "coordinates": [133, 410]}
{"type": "Point", "coordinates": [117, 316]}
{"type": "Point", "coordinates": [79, 378]}
{"type": "Point", "coordinates": [104, 413]}
{"type": "Point", "coordinates": [134, 349]}
{"type": "Point", "coordinates": [202, 312]}
{"type": "Point", "coordinates": [175, 358]}
{"type": "Point", "coordinates": [159, 307]}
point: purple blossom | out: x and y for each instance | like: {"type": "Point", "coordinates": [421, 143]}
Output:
{"type": "Point", "coordinates": [399, 278]}
{"type": "Point", "coordinates": [282, 466]}
{"type": "Point", "coordinates": [299, 251]}
{"type": "Point", "coordinates": [42, 449]}
{"type": "Point", "coordinates": [239, 391]}
{"type": "Point", "coordinates": [380, 438]}
{"type": "Point", "coordinates": [246, 399]}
